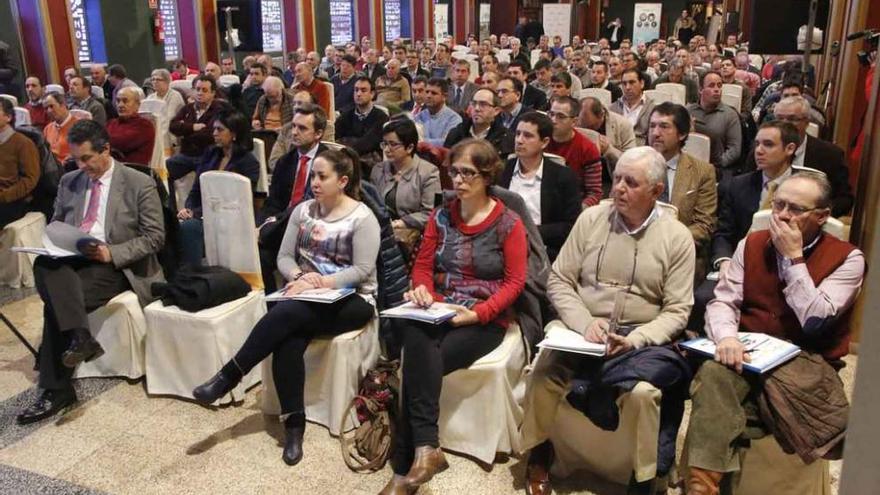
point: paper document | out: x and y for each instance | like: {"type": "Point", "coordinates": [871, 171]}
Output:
{"type": "Point", "coordinates": [61, 240]}
{"type": "Point", "coordinates": [765, 352]}
{"type": "Point", "coordinates": [326, 296]}
{"type": "Point", "coordinates": [570, 341]}
{"type": "Point", "coordinates": [435, 314]}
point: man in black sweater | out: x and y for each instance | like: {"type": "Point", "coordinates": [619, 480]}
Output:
{"type": "Point", "coordinates": [361, 127]}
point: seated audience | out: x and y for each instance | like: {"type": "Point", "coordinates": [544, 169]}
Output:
{"type": "Point", "coordinates": [331, 241]}
{"type": "Point", "coordinates": [56, 130]}
{"type": "Point", "coordinates": [413, 67]}
{"type": "Point", "coordinates": [193, 125]}
{"type": "Point", "coordinates": [231, 153]}
{"type": "Point", "coordinates": [579, 153]}
{"type": "Point", "coordinates": [530, 97]}
{"type": "Point", "coordinates": [561, 85]}
{"type": "Point", "coordinates": [461, 90]}
{"type": "Point", "coordinates": [34, 90]}
{"type": "Point", "coordinates": [689, 182]}
{"type": "Point", "coordinates": [631, 246]}
{"type": "Point", "coordinates": [417, 103]}
{"type": "Point", "coordinates": [182, 70]}
{"type": "Point", "coordinates": [282, 143]}
{"type": "Point", "coordinates": [815, 153]}
{"type": "Point", "coordinates": [615, 132]}
{"type": "Point", "coordinates": [721, 123]}
{"type": "Point", "coordinates": [131, 135]}
{"type": "Point", "coordinates": [392, 89]}
{"type": "Point", "coordinates": [253, 87]}
{"type": "Point", "coordinates": [81, 98]}
{"type": "Point", "coordinates": [305, 80]}
{"type": "Point", "coordinates": [98, 73]}
{"type": "Point", "coordinates": [599, 78]}
{"type": "Point", "coordinates": [118, 78]}
{"type": "Point", "coordinates": [483, 288]}
{"type": "Point", "coordinates": [437, 119]}
{"type": "Point", "coordinates": [130, 231]}
{"type": "Point", "coordinates": [274, 108]}
{"type": "Point", "coordinates": [19, 167]}
{"type": "Point", "coordinates": [161, 80]}
{"type": "Point", "coordinates": [408, 184]}
{"type": "Point", "coordinates": [727, 71]}
{"type": "Point", "coordinates": [634, 105]}
{"type": "Point", "coordinates": [361, 127]}
{"type": "Point", "coordinates": [484, 123]}
{"type": "Point", "coordinates": [551, 191]}
{"type": "Point", "coordinates": [542, 74]}
{"type": "Point", "coordinates": [490, 80]}
{"type": "Point", "coordinates": [343, 84]}
{"type": "Point", "coordinates": [675, 74]}
{"type": "Point", "coordinates": [795, 283]}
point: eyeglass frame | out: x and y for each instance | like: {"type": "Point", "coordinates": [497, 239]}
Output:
{"type": "Point", "coordinates": [454, 170]}
{"type": "Point", "coordinates": [795, 210]}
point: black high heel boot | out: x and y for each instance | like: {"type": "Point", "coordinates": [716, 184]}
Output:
{"type": "Point", "coordinates": [294, 429]}
{"type": "Point", "coordinates": [218, 385]}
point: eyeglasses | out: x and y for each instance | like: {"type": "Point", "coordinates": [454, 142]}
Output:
{"type": "Point", "coordinates": [558, 116]}
{"type": "Point", "coordinates": [779, 205]}
{"type": "Point", "coordinates": [467, 174]}
{"type": "Point", "coordinates": [389, 145]}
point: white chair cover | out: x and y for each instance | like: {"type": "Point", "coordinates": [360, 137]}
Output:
{"type": "Point", "coordinates": [534, 56]}
{"type": "Point", "coordinates": [658, 96]}
{"type": "Point", "coordinates": [121, 329]}
{"type": "Point", "coordinates": [813, 129]}
{"type": "Point", "coordinates": [11, 99]}
{"type": "Point", "coordinates": [182, 187]}
{"type": "Point", "coordinates": [16, 269]}
{"type": "Point", "coordinates": [333, 145]}
{"type": "Point", "coordinates": [623, 452]}
{"type": "Point", "coordinates": [227, 80]}
{"type": "Point", "coordinates": [334, 368]}
{"type": "Point", "coordinates": [184, 349]}
{"type": "Point", "coordinates": [190, 77]}
{"type": "Point", "coordinates": [676, 91]}
{"type": "Point", "coordinates": [155, 107]}
{"type": "Point", "coordinates": [600, 94]}
{"type": "Point", "coordinates": [55, 88]}
{"type": "Point", "coordinates": [157, 159]}
{"type": "Point", "coordinates": [80, 114]}
{"type": "Point", "coordinates": [183, 86]}
{"type": "Point", "coordinates": [731, 94]}
{"type": "Point", "coordinates": [481, 406]}
{"type": "Point", "coordinates": [832, 226]}
{"type": "Point", "coordinates": [260, 154]}
{"type": "Point", "coordinates": [699, 146]}
{"type": "Point", "coordinates": [757, 61]}
{"type": "Point", "coordinates": [22, 117]}
{"type": "Point", "coordinates": [98, 92]}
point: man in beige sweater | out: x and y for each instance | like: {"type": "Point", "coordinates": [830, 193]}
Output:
{"type": "Point", "coordinates": [631, 249]}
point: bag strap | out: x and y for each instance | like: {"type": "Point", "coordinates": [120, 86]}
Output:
{"type": "Point", "coordinates": [346, 443]}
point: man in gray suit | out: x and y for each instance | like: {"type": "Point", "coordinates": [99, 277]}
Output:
{"type": "Point", "coordinates": [634, 105]}
{"type": "Point", "coordinates": [120, 207]}
{"type": "Point", "coordinates": [461, 91]}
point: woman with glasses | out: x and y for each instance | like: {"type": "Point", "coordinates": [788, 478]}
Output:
{"type": "Point", "coordinates": [407, 183]}
{"type": "Point", "coordinates": [473, 255]}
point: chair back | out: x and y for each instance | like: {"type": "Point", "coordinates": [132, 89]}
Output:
{"type": "Point", "coordinates": [184, 87]}
{"type": "Point", "coordinates": [331, 112]}
{"type": "Point", "coordinates": [658, 96]}
{"type": "Point", "coordinates": [677, 92]}
{"type": "Point", "coordinates": [260, 153]}
{"type": "Point", "coordinates": [698, 145]}
{"type": "Point", "coordinates": [157, 159]}
{"type": "Point", "coordinates": [11, 99]}
{"type": "Point", "coordinates": [155, 107]}
{"type": "Point", "coordinates": [55, 88]}
{"type": "Point", "coordinates": [230, 231]}
{"type": "Point", "coordinates": [757, 61]}
{"type": "Point", "coordinates": [534, 56]}
{"type": "Point", "coordinates": [813, 129]}
{"type": "Point", "coordinates": [227, 80]}
{"type": "Point", "coordinates": [80, 114]}
{"type": "Point", "coordinates": [732, 100]}
{"type": "Point", "coordinates": [22, 117]}
{"type": "Point", "coordinates": [98, 92]}
{"type": "Point", "coordinates": [190, 77]}
{"type": "Point", "coordinates": [600, 94]}
{"type": "Point", "coordinates": [832, 226]}
{"type": "Point", "coordinates": [592, 135]}
{"type": "Point", "coordinates": [333, 145]}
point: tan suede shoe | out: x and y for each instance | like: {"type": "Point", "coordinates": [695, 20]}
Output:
{"type": "Point", "coordinates": [428, 462]}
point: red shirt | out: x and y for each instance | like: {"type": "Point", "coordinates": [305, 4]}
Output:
{"type": "Point", "coordinates": [583, 157]}
{"type": "Point", "coordinates": [175, 76]}
{"type": "Point", "coordinates": [39, 116]}
{"type": "Point", "coordinates": [133, 137]}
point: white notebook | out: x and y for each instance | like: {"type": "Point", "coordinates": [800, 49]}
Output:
{"type": "Point", "coordinates": [326, 296]}
{"type": "Point", "coordinates": [571, 341]}
{"type": "Point", "coordinates": [765, 352]}
{"type": "Point", "coordinates": [435, 314]}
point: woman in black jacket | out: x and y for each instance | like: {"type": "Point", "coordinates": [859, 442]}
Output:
{"type": "Point", "coordinates": [231, 153]}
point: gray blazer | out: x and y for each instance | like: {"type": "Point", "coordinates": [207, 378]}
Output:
{"type": "Point", "coordinates": [467, 93]}
{"type": "Point", "coordinates": [415, 191]}
{"type": "Point", "coordinates": [135, 229]}
{"type": "Point", "coordinates": [644, 121]}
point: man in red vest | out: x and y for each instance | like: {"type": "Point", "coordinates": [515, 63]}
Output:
{"type": "Point", "coordinates": [792, 282]}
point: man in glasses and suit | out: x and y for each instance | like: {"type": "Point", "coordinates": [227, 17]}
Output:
{"type": "Point", "coordinates": [624, 277]}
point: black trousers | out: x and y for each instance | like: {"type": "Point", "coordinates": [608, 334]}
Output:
{"type": "Point", "coordinates": [429, 353]}
{"type": "Point", "coordinates": [10, 212]}
{"type": "Point", "coordinates": [70, 288]}
{"type": "Point", "coordinates": [285, 332]}
{"type": "Point", "coordinates": [268, 265]}
{"type": "Point", "coordinates": [703, 293]}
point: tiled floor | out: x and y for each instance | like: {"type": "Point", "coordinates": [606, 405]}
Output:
{"type": "Point", "coordinates": [117, 440]}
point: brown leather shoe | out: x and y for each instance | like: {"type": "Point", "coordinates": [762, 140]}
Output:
{"type": "Point", "coordinates": [702, 481]}
{"type": "Point", "coordinates": [428, 462]}
{"type": "Point", "coordinates": [397, 485]}
{"type": "Point", "coordinates": [538, 480]}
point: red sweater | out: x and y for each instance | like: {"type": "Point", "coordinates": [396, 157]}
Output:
{"type": "Point", "coordinates": [39, 115]}
{"type": "Point", "coordinates": [133, 137]}
{"type": "Point", "coordinates": [450, 250]}
{"type": "Point", "coordinates": [583, 157]}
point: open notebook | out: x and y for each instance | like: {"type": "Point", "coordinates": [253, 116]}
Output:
{"type": "Point", "coordinates": [312, 295]}
{"type": "Point", "coordinates": [765, 352]}
{"type": "Point", "coordinates": [435, 314]}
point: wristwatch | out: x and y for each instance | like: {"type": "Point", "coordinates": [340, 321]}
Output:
{"type": "Point", "coordinates": [797, 261]}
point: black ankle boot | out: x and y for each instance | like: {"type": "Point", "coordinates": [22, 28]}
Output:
{"type": "Point", "coordinates": [294, 428]}
{"type": "Point", "coordinates": [215, 388]}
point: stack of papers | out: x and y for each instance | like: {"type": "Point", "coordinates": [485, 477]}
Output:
{"type": "Point", "coordinates": [326, 296]}
{"type": "Point", "coordinates": [435, 314]}
{"type": "Point", "coordinates": [61, 240]}
{"type": "Point", "coordinates": [571, 341]}
{"type": "Point", "coordinates": [765, 352]}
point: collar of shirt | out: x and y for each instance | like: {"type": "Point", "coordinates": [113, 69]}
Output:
{"type": "Point", "coordinates": [66, 120]}
{"type": "Point", "coordinates": [539, 174]}
{"type": "Point", "coordinates": [672, 164]}
{"type": "Point", "coordinates": [655, 214]}
{"type": "Point", "coordinates": [800, 153]}
{"type": "Point", "coordinates": [6, 134]}
{"type": "Point", "coordinates": [508, 117]}
{"type": "Point", "coordinates": [628, 109]}
{"type": "Point", "coordinates": [481, 135]}
{"type": "Point", "coordinates": [312, 152]}
{"type": "Point", "coordinates": [364, 115]}
{"type": "Point", "coordinates": [766, 180]}
{"type": "Point", "coordinates": [105, 179]}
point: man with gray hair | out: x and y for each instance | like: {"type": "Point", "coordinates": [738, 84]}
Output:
{"type": "Point", "coordinates": [815, 153]}
{"type": "Point", "coordinates": [161, 80]}
{"type": "Point", "coordinates": [630, 249]}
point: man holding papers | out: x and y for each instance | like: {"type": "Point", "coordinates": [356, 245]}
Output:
{"type": "Point", "coordinates": [792, 282]}
{"type": "Point", "coordinates": [629, 264]}
{"type": "Point", "coordinates": [120, 208]}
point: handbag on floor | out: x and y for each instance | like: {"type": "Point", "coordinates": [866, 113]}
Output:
{"type": "Point", "coordinates": [368, 423]}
